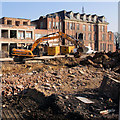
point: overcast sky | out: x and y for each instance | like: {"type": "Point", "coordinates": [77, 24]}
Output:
{"type": "Point", "coordinates": [33, 10]}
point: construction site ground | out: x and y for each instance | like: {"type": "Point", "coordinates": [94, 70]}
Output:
{"type": "Point", "coordinates": [62, 88]}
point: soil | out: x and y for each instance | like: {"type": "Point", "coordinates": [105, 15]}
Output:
{"type": "Point", "coordinates": [48, 90]}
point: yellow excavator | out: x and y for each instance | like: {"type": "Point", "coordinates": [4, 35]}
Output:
{"type": "Point", "coordinates": [20, 54]}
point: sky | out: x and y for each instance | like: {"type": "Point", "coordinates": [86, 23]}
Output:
{"type": "Point", "coordinates": [33, 10]}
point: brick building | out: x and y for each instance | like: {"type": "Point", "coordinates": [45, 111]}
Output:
{"type": "Point", "coordinates": [15, 32]}
{"type": "Point", "coordinates": [90, 29]}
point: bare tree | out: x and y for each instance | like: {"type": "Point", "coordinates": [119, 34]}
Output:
{"type": "Point", "coordinates": [117, 39]}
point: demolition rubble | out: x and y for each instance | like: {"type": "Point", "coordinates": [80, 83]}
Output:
{"type": "Point", "coordinates": [63, 88]}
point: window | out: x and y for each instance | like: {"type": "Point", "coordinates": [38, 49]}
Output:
{"type": "Point", "coordinates": [21, 34]}
{"type": "Point", "coordinates": [84, 18]}
{"type": "Point", "coordinates": [9, 22]}
{"type": "Point", "coordinates": [25, 23]}
{"type": "Point", "coordinates": [84, 36]}
{"type": "Point", "coordinates": [84, 27]}
{"type": "Point", "coordinates": [111, 47]}
{"type": "Point", "coordinates": [28, 35]}
{"type": "Point", "coordinates": [68, 25]}
{"type": "Point", "coordinates": [94, 37]}
{"type": "Point", "coordinates": [104, 46]}
{"type": "Point", "coordinates": [89, 27]}
{"type": "Point", "coordinates": [108, 47]}
{"type": "Point", "coordinates": [53, 25]}
{"type": "Point", "coordinates": [77, 26]}
{"type": "Point", "coordinates": [71, 15]}
{"type": "Point", "coordinates": [17, 23]}
{"type": "Point", "coordinates": [37, 36]}
{"type": "Point", "coordinates": [41, 25]}
{"type": "Point", "coordinates": [80, 36]}
{"type": "Point", "coordinates": [94, 19]}
{"type": "Point", "coordinates": [89, 18]}
{"type": "Point", "coordinates": [57, 25]}
{"type": "Point", "coordinates": [110, 37]}
{"type": "Point", "coordinates": [103, 28]}
{"type": "Point", "coordinates": [4, 33]}
{"type": "Point", "coordinates": [95, 28]}
{"type": "Point", "coordinates": [99, 28]}
{"type": "Point", "coordinates": [103, 19]}
{"type": "Point", "coordinates": [100, 46]}
{"type": "Point", "coordinates": [89, 36]}
{"type": "Point", "coordinates": [103, 36]}
{"type": "Point", "coordinates": [50, 24]}
{"type": "Point", "coordinates": [60, 25]}
{"type": "Point", "coordinates": [13, 34]}
{"type": "Point", "coordinates": [78, 16]}
{"type": "Point", "coordinates": [71, 26]}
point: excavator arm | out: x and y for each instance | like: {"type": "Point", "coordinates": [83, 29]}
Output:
{"type": "Point", "coordinates": [22, 53]}
{"type": "Point", "coordinates": [29, 53]}
{"type": "Point", "coordinates": [79, 45]}
{"type": "Point", "coordinates": [45, 38]}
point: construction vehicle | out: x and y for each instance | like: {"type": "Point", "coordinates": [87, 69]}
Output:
{"type": "Point", "coordinates": [20, 54]}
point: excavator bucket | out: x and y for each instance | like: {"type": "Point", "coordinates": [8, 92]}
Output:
{"type": "Point", "coordinates": [82, 49]}
{"type": "Point", "coordinates": [85, 49]}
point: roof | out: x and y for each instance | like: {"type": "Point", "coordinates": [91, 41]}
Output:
{"type": "Point", "coordinates": [16, 18]}
{"type": "Point", "coordinates": [66, 15]}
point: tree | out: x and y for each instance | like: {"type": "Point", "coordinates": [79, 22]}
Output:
{"type": "Point", "coordinates": [117, 39]}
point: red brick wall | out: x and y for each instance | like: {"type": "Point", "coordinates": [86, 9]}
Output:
{"type": "Point", "coordinates": [56, 19]}
{"type": "Point", "coordinates": [46, 30]}
{"type": "Point", "coordinates": [16, 19]}
{"type": "Point", "coordinates": [74, 32]}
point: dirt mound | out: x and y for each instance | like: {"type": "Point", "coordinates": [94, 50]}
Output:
{"type": "Point", "coordinates": [105, 60]}
{"type": "Point", "coordinates": [62, 88]}
{"type": "Point", "coordinates": [35, 105]}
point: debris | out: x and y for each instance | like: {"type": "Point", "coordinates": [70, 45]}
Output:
{"type": "Point", "coordinates": [66, 97]}
{"type": "Point", "coordinates": [3, 106]}
{"type": "Point", "coordinates": [104, 112]}
{"type": "Point", "coordinates": [20, 86]}
{"type": "Point", "coordinates": [95, 77]}
{"type": "Point", "coordinates": [30, 73]}
{"type": "Point", "coordinates": [85, 100]}
{"type": "Point", "coordinates": [71, 76]}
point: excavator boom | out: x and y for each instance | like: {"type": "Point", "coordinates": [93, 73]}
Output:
{"type": "Point", "coordinates": [42, 40]}
{"type": "Point", "coordinates": [29, 53]}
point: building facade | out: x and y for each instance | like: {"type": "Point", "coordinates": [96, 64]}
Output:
{"type": "Point", "coordinates": [15, 32]}
{"type": "Point", "coordinates": [89, 29]}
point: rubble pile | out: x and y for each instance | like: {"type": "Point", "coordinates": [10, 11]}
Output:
{"type": "Point", "coordinates": [53, 80]}
{"type": "Point", "coordinates": [63, 88]}
{"type": "Point", "coordinates": [104, 60]}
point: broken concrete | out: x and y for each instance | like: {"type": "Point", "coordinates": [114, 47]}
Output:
{"type": "Point", "coordinates": [50, 88]}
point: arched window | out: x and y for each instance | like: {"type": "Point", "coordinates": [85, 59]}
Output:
{"type": "Point", "coordinates": [84, 27]}
{"type": "Point", "coordinates": [89, 18]}
{"type": "Point", "coordinates": [89, 28]}
{"type": "Point", "coordinates": [103, 19]}
{"type": "Point", "coordinates": [84, 17]}
{"type": "Point", "coordinates": [78, 16]}
{"type": "Point", "coordinates": [94, 19]}
{"type": "Point", "coordinates": [71, 15]}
